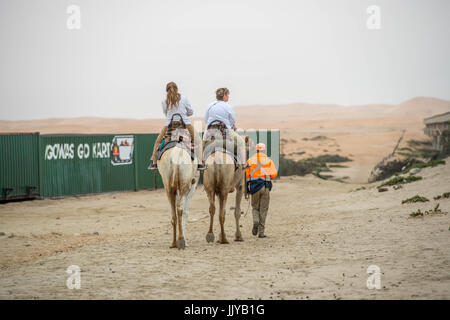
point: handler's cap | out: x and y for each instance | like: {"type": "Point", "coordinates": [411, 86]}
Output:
{"type": "Point", "coordinates": [260, 147]}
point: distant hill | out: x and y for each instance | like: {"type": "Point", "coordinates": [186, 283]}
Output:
{"type": "Point", "coordinates": [414, 110]}
{"type": "Point", "coordinates": [257, 116]}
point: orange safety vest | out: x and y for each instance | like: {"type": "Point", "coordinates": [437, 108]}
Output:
{"type": "Point", "coordinates": [261, 167]}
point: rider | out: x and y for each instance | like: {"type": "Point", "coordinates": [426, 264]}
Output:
{"type": "Point", "coordinates": [177, 103]}
{"type": "Point", "coordinates": [220, 110]}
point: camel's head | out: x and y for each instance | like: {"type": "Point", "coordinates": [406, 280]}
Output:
{"type": "Point", "coordinates": [249, 144]}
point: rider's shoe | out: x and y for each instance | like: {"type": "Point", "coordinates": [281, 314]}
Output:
{"type": "Point", "coordinates": [202, 167]}
{"type": "Point", "coordinates": [153, 166]}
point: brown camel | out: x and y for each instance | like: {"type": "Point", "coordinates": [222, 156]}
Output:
{"type": "Point", "coordinates": [221, 178]}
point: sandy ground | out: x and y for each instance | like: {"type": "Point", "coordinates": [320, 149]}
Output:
{"type": "Point", "coordinates": [322, 237]}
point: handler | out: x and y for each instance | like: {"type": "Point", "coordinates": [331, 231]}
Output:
{"type": "Point", "coordinates": [259, 184]}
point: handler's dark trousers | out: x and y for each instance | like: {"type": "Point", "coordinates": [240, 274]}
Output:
{"type": "Point", "coordinates": [260, 205]}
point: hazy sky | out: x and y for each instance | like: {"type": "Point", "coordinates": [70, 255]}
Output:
{"type": "Point", "coordinates": [265, 52]}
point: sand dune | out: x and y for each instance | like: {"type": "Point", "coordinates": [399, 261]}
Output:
{"type": "Point", "coordinates": [289, 116]}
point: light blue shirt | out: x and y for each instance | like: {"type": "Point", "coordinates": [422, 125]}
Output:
{"type": "Point", "coordinates": [222, 111]}
{"type": "Point", "coordinates": [184, 108]}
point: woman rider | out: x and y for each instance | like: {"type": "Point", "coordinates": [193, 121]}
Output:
{"type": "Point", "coordinates": [177, 103]}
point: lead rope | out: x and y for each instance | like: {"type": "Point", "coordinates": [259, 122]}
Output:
{"type": "Point", "coordinates": [248, 206]}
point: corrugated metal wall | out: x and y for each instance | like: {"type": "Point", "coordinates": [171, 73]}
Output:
{"type": "Point", "coordinates": [146, 178]}
{"type": "Point", "coordinates": [80, 164]}
{"type": "Point", "coordinates": [19, 165]}
{"type": "Point", "coordinates": [271, 138]}
{"type": "Point", "coordinates": [59, 165]}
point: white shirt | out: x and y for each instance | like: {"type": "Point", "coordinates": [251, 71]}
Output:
{"type": "Point", "coordinates": [184, 108]}
{"type": "Point", "coordinates": [222, 111]}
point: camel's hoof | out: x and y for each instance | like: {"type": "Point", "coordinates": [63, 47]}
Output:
{"type": "Point", "coordinates": [210, 237]}
{"type": "Point", "coordinates": [174, 245]}
{"type": "Point", "coordinates": [238, 239]}
{"type": "Point", "coordinates": [181, 244]}
{"type": "Point", "coordinates": [223, 239]}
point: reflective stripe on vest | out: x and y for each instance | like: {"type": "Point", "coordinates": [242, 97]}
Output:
{"type": "Point", "coordinates": [259, 178]}
{"type": "Point", "coordinates": [260, 166]}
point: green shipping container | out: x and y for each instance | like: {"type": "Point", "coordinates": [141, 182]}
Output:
{"type": "Point", "coordinates": [60, 165]}
{"type": "Point", "coordinates": [19, 165]}
{"type": "Point", "coordinates": [271, 138]}
{"type": "Point", "coordinates": [146, 179]}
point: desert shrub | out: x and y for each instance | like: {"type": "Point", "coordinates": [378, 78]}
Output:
{"type": "Point", "coordinates": [431, 163]}
{"type": "Point", "coordinates": [399, 180]}
{"type": "Point", "coordinates": [390, 168]}
{"type": "Point", "coordinates": [289, 167]}
{"type": "Point", "coordinates": [416, 143]}
{"type": "Point", "coordinates": [414, 199]}
{"type": "Point", "coordinates": [337, 166]}
{"type": "Point", "coordinates": [417, 213]}
{"type": "Point", "coordinates": [315, 165]}
{"type": "Point", "coordinates": [444, 195]}
{"type": "Point", "coordinates": [332, 158]}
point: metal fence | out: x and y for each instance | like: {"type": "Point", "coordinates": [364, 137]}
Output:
{"type": "Point", "coordinates": [34, 165]}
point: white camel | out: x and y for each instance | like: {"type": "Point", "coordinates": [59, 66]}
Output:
{"type": "Point", "coordinates": [180, 177]}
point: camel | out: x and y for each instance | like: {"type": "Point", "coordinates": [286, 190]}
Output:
{"type": "Point", "coordinates": [180, 177]}
{"type": "Point", "coordinates": [221, 178]}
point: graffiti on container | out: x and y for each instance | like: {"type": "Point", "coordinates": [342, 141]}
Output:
{"type": "Point", "coordinates": [83, 151]}
{"type": "Point", "coordinates": [122, 150]}
{"type": "Point", "coordinates": [59, 151]}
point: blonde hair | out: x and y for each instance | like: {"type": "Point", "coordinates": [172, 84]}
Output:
{"type": "Point", "coordinates": [222, 92]}
{"type": "Point", "coordinates": [173, 97]}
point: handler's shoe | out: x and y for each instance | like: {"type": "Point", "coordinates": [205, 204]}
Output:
{"type": "Point", "coordinates": [202, 167]}
{"type": "Point", "coordinates": [255, 229]}
{"type": "Point", "coordinates": [262, 236]}
{"type": "Point", "coordinates": [153, 166]}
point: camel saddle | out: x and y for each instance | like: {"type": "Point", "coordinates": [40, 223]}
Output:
{"type": "Point", "coordinates": [177, 136]}
{"type": "Point", "coordinates": [217, 139]}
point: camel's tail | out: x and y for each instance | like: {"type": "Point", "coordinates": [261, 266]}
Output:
{"type": "Point", "coordinates": [175, 176]}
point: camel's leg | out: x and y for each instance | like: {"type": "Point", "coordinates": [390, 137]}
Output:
{"type": "Point", "coordinates": [172, 198]}
{"type": "Point", "coordinates": [183, 223]}
{"type": "Point", "coordinates": [186, 209]}
{"type": "Point", "coordinates": [180, 242]}
{"type": "Point", "coordinates": [237, 212]}
{"type": "Point", "coordinates": [222, 203]}
{"type": "Point", "coordinates": [212, 211]}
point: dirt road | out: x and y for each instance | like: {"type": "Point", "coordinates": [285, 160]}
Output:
{"type": "Point", "coordinates": [322, 237]}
